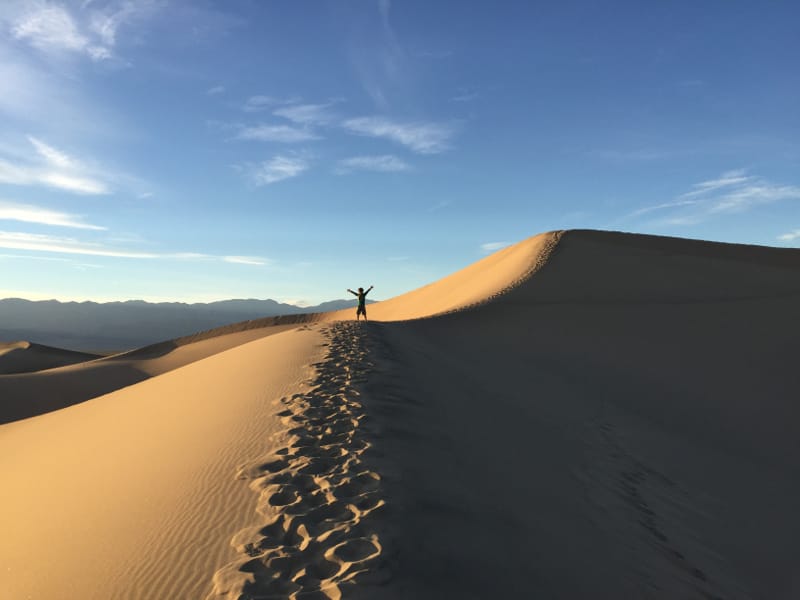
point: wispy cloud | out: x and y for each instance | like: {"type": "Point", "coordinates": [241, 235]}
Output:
{"type": "Point", "coordinates": [434, 54]}
{"type": "Point", "coordinates": [493, 246]}
{"type": "Point", "coordinates": [439, 205]}
{"type": "Point", "coordinates": [256, 103]}
{"type": "Point", "coordinates": [74, 183]}
{"type": "Point", "coordinates": [277, 169]}
{"type": "Point", "coordinates": [752, 194]}
{"type": "Point", "coordinates": [26, 175]}
{"type": "Point", "coordinates": [246, 260]}
{"type": "Point", "coordinates": [52, 168]}
{"type": "Point", "coordinates": [732, 192]}
{"type": "Point", "coordinates": [666, 205]}
{"type": "Point", "coordinates": [51, 155]}
{"type": "Point", "coordinates": [90, 30]}
{"type": "Point", "coordinates": [71, 246]}
{"type": "Point", "coordinates": [217, 89]}
{"type": "Point", "coordinates": [465, 95]}
{"type": "Point", "coordinates": [10, 211]}
{"type": "Point", "coordinates": [726, 180]}
{"type": "Point", "coordinates": [377, 56]}
{"type": "Point", "coordinates": [259, 103]}
{"type": "Point", "coordinates": [50, 28]}
{"type": "Point", "coordinates": [307, 114]}
{"type": "Point", "coordinates": [35, 95]}
{"type": "Point", "coordinates": [107, 21]}
{"type": "Point", "coordinates": [421, 137]}
{"type": "Point", "coordinates": [62, 245]}
{"type": "Point", "coordinates": [384, 163]}
{"type": "Point", "coordinates": [791, 236]}
{"type": "Point", "coordinates": [276, 133]}
{"type": "Point", "coordinates": [626, 156]}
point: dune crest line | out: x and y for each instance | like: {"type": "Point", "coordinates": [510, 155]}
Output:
{"type": "Point", "coordinates": [317, 497]}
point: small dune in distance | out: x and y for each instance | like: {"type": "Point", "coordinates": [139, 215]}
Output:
{"type": "Point", "coordinates": [584, 414]}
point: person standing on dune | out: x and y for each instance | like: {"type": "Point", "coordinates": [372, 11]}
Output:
{"type": "Point", "coordinates": [362, 301]}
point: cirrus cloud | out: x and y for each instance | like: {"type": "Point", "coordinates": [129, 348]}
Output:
{"type": "Point", "coordinates": [420, 137]}
{"type": "Point", "coordinates": [385, 163]}
{"type": "Point", "coordinates": [52, 168]}
{"type": "Point", "coordinates": [494, 246]}
{"type": "Point", "coordinates": [246, 260]}
{"type": "Point", "coordinates": [733, 191]}
{"type": "Point", "coordinates": [276, 133]}
{"type": "Point", "coordinates": [90, 29]}
{"type": "Point", "coordinates": [791, 236]}
{"type": "Point", "coordinates": [11, 211]}
{"type": "Point", "coordinates": [277, 169]}
{"type": "Point", "coordinates": [63, 245]}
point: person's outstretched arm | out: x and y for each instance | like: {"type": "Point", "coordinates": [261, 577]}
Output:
{"type": "Point", "coordinates": [369, 289]}
{"type": "Point", "coordinates": [352, 292]}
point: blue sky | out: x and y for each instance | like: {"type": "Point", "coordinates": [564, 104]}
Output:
{"type": "Point", "coordinates": [195, 151]}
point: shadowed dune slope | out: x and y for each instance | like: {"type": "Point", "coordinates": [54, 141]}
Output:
{"type": "Point", "coordinates": [27, 357]}
{"type": "Point", "coordinates": [623, 424]}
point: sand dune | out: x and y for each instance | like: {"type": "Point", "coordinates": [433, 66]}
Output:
{"type": "Point", "coordinates": [624, 424]}
{"type": "Point", "coordinates": [25, 395]}
{"type": "Point", "coordinates": [135, 492]}
{"type": "Point", "coordinates": [586, 415]}
{"type": "Point", "coordinates": [26, 357]}
{"type": "Point", "coordinates": [476, 284]}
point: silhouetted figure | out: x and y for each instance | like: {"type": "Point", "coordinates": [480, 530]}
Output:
{"type": "Point", "coordinates": [362, 302]}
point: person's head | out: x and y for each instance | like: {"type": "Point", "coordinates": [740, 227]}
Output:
{"type": "Point", "coordinates": [360, 289]}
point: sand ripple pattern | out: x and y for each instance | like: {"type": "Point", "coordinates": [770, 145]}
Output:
{"type": "Point", "coordinates": [316, 495]}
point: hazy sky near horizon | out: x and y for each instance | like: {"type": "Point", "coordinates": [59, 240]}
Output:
{"type": "Point", "coordinates": [197, 150]}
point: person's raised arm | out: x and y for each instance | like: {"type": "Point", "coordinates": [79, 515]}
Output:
{"type": "Point", "coordinates": [369, 290]}
{"type": "Point", "coordinates": [352, 292]}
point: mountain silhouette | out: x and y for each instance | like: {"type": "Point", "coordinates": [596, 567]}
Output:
{"type": "Point", "coordinates": [115, 326]}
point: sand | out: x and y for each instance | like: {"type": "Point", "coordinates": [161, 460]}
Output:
{"type": "Point", "coordinates": [134, 494]}
{"type": "Point", "coordinates": [27, 394]}
{"type": "Point", "coordinates": [581, 415]}
{"type": "Point", "coordinates": [25, 357]}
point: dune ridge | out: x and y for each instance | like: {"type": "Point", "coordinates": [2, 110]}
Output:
{"type": "Point", "coordinates": [470, 287]}
{"type": "Point", "coordinates": [27, 395]}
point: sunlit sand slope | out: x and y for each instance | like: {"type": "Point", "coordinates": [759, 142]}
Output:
{"type": "Point", "coordinates": [134, 494]}
{"type": "Point", "coordinates": [25, 394]}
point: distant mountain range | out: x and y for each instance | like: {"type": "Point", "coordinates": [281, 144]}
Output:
{"type": "Point", "coordinates": [112, 326]}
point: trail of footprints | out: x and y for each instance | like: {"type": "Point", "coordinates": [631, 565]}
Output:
{"type": "Point", "coordinates": [316, 495]}
{"type": "Point", "coordinates": [634, 483]}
